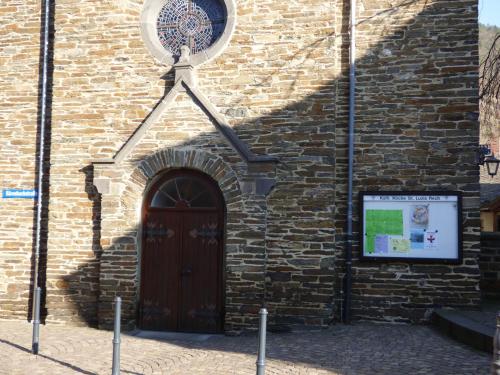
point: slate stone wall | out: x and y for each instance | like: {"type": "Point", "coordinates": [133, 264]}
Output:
{"type": "Point", "coordinates": [282, 86]}
{"type": "Point", "coordinates": [416, 129]}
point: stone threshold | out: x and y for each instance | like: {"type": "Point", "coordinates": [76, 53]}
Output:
{"type": "Point", "coordinates": [170, 336]}
{"type": "Point", "coordinates": [472, 328]}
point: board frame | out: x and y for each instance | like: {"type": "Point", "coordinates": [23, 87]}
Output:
{"type": "Point", "coordinates": [455, 260]}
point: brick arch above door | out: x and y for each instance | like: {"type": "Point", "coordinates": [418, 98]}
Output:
{"type": "Point", "coordinates": [200, 160]}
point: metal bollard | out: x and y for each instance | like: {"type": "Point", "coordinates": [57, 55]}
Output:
{"type": "Point", "coordinates": [495, 367]}
{"type": "Point", "coordinates": [261, 358]}
{"type": "Point", "coordinates": [116, 337]}
{"type": "Point", "coordinates": [36, 322]}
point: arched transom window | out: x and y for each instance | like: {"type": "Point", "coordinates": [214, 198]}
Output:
{"type": "Point", "coordinates": [184, 191]}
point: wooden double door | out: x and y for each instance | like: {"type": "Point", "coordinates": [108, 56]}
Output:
{"type": "Point", "coordinates": [181, 272]}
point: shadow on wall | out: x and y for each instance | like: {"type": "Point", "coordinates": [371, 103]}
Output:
{"type": "Point", "coordinates": [82, 286]}
{"type": "Point", "coordinates": [309, 138]}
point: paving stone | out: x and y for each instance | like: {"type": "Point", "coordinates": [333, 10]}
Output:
{"type": "Point", "coordinates": [359, 349]}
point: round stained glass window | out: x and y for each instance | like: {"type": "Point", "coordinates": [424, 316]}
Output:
{"type": "Point", "coordinates": [204, 26]}
{"type": "Point", "coordinates": [193, 23]}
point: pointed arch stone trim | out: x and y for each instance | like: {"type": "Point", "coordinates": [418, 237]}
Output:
{"type": "Point", "coordinates": [219, 121]}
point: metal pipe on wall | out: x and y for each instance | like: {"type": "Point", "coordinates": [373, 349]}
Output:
{"type": "Point", "coordinates": [352, 103]}
{"type": "Point", "coordinates": [43, 120]}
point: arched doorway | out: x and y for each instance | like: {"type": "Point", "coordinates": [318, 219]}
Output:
{"type": "Point", "coordinates": [182, 254]}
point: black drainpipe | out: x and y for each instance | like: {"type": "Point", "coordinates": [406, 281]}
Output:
{"type": "Point", "coordinates": [352, 91]}
{"type": "Point", "coordinates": [41, 149]}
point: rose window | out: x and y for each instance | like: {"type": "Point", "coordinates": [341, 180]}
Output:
{"type": "Point", "coordinates": [197, 24]}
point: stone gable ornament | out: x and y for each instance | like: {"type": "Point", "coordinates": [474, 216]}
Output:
{"type": "Point", "coordinates": [202, 26]}
{"type": "Point", "coordinates": [183, 68]}
{"type": "Point", "coordinates": [185, 55]}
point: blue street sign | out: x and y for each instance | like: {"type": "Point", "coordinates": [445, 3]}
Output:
{"type": "Point", "coordinates": [18, 193]}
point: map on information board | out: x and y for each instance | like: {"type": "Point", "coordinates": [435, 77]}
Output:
{"type": "Point", "coordinates": [382, 223]}
{"type": "Point", "coordinates": [411, 225]}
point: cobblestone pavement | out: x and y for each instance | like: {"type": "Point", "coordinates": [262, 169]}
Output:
{"type": "Point", "coordinates": [359, 349]}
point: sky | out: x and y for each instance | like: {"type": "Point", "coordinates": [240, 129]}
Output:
{"type": "Point", "coordinates": [489, 12]}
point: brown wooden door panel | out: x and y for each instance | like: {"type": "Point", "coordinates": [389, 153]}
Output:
{"type": "Point", "coordinates": [160, 289]}
{"type": "Point", "coordinates": [200, 284]}
{"type": "Point", "coordinates": [181, 280]}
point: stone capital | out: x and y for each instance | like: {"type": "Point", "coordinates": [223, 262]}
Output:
{"type": "Point", "coordinates": [102, 185]}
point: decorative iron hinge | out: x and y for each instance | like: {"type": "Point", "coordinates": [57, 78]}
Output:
{"type": "Point", "coordinates": [208, 232]}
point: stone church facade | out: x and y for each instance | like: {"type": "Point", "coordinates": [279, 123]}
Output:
{"type": "Point", "coordinates": [261, 112]}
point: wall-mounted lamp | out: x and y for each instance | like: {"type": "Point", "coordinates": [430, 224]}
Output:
{"type": "Point", "coordinates": [485, 156]}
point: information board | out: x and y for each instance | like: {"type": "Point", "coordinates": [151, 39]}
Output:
{"type": "Point", "coordinates": [411, 226]}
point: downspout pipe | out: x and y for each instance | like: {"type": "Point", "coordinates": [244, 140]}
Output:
{"type": "Point", "coordinates": [352, 103]}
{"type": "Point", "coordinates": [41, 157]}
